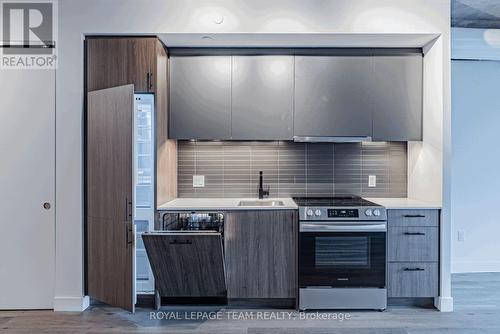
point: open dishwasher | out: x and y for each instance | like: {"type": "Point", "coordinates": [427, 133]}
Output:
{"type": "Point", "coordinates": [187, 256]}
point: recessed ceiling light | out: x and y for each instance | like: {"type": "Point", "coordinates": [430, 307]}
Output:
{"type": "Point", "coordinates": [219, 19]}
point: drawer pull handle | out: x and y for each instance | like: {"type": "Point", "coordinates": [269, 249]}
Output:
{"type": "Point", "coordinates": [414, 233]}
{"type": "Point", "coordinates": [414, 216]}
{"type": "Point", "coordinates": [414, 269]}
{"type": "Point", "coordinates": [176, 242]}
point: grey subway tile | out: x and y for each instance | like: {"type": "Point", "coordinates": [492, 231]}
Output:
{"type": "Point", "coordinates": [231, 169]}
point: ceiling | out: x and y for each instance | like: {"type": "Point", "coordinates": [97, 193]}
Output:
{"type": "Point", "coordinates": [475, 14]}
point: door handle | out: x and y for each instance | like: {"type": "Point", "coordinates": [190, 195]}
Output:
{"type": "Point", "coordinates": [127, 238]}
{"type": "Point", "coordinates": [414, 233]}
{"type": "Point", "coordinates": [127, 213]}
{"type": "Point", "coordinates": [414, 269]}
{"type": "Point", "coordinates": [148, 81]}
{"type": "Point", "coordinates": [126, 209]}
{"type": "Point", "coordinates": [414, 216]}
{"type": "Point", "coordinates": [46, 206]}
{"type": "Point", "coordinates": [177, 242]}
{"type": "Point", "coordinates": [150, 86]}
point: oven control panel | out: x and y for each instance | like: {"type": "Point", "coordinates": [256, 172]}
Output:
{"type": "Point", "coordinates": [343, 213]}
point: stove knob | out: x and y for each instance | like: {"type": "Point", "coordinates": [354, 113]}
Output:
{"type": "Point", "coordinates": [368, 212]}
{"type": "Point", "coordinates": [376, 212]}
{"type": "Point", "coordinates": [317, 213]}
{"type": "Point", "coordinates": [309, 212]}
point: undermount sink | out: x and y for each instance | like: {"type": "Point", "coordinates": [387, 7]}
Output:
{"type": "Point", "coordinates": [261, 203]}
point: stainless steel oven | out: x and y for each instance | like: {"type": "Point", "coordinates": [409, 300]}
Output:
{"type": "Point", "coordinates": [342, 256]}
{"type": "Point", "coordinates": [337, 254]}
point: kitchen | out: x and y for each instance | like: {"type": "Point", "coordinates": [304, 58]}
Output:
{"type": "Point", "coordinates": [149, 139]}
{"type": "Point", "coordinates": [284, 177]}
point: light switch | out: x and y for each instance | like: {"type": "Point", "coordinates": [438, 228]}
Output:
{"type": "Point", "coordinates": [461, 235]}
{"type": "Point", "coordinates": [198, 181]}
{"type": "Point", "coordinates": [372, 181]}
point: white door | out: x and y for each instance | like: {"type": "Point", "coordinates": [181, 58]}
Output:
{"type": "Point", "coordinates": [27, 181]}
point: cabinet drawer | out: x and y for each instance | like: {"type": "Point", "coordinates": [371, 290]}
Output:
{"type": "Point", "coordinates": [413, 217]}
{"type": "Point", "coordinates": [413, 279]}
{"type": "Point", "coordinates": [413, 243]}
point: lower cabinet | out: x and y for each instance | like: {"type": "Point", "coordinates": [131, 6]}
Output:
{"type": "Point", "coordinates": [413, 279]}
{"type": "Point", "coordinates": [260, 253]}
{"type": "Point", "coordinates": [413, 243]}
{"type": "Point", "coordinates": [413, 253]}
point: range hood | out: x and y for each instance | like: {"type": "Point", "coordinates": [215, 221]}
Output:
{"type": "Point", "coordinates": [331, 139]}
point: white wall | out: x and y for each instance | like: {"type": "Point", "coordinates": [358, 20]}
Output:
{"type": "Point", "coordinates": [27, 237]}
{"type": "Point", "coordinates": [161, 16]}
{"type": "Point", "coordinates": [476, 119]}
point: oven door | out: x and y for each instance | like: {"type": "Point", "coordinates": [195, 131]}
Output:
{"type": "Point", "coordinates": [342, 254]}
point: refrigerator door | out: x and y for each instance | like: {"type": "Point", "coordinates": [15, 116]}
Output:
{"type": "Point", "coordinates": [144, 182]}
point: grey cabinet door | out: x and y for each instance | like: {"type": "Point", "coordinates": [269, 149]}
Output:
{"type": "Point", "coordinates": [332, 96]}
{"type": "Point", "coordinates": [397, 97]}
{"type": "Point", "coordinates": [413, 279]}
{"type": "Point", "coordinates": [260, 253]}
{"type": "Point", "coordinates": [200, 97]}
{"type": "Point", "coordinates": [262, 97]}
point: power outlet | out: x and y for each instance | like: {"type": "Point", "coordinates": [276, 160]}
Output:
{"type": "Point", "coordinates": [198, 181]}
{"type": "Point", "coordinates": [372, 181]}
{"type": "Point", "coordinates": [461, 235]}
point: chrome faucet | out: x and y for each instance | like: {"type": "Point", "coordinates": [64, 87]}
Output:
{"type": "Point", "coordinates": [262, 192]}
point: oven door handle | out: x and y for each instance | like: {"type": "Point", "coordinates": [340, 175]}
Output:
{"type": "Point", "coordinates": [364, 227]}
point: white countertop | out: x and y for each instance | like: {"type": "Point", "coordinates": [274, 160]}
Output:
{"type": "Point", "coordinates": [222, 204]}
{"type": "Point", "coordinates": [226, 204]}
{"type": "Point", "coordinates": [404, 203]}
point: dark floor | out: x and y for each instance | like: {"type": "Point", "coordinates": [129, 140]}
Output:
{"type": "Point", "coordinates": [476, 297]}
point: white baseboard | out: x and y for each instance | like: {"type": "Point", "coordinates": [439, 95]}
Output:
{"type": "Point", "coordinates": [474, 267]}
{"type": "Point", "coordinates": [71, 304]}
{"type": "Point", "coordinates": [444, 304]}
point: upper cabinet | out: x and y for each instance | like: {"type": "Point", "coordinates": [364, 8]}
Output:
{"type": "Point", "coordinates": [262, 97]}
{"type": "Point", "coordinates": [397, 97]}
{"type": "Point", "coordinates": [200, 97]}
{"type": "Point", "coordinates": [116, 61]}
{"type": "Point", "coordinates": [332, 96]}
{"type": "Point", "coordinates": [143, 62]}
{"type": "Point", "coordinates": [231, 97]}
{"type": "Point", "coordinates": [275, 95]}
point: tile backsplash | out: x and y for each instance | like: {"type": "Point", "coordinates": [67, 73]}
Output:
{"type": "Point", "coordinates": [231, 169]}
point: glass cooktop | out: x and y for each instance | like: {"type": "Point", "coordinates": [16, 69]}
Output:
{"type": "Point", "coordinates": [336, 201]}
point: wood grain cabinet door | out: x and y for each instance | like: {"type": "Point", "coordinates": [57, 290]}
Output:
{"type": "Point", "coordinates": [166, 149]}
{"type": "Point", "coordinates": [260, 253]}
{"type": "Point", "coordinates": [115, 61]}
{"type": "Point", "coordinates": [109, 196]}
{"type": "Point", "coordinates": [413, 279]}
{"type": "Point", "coordinates": [188, 264]}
